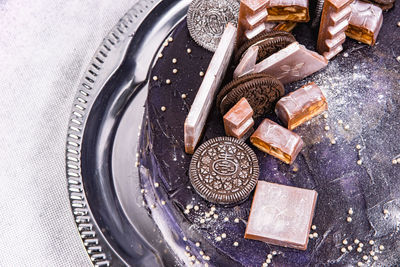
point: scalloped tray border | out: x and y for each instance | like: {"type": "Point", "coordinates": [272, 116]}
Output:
{"type": "Point", "coordinates": [84, 97]}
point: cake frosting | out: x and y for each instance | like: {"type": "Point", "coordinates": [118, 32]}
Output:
{"type": "Point", "coordinates": [348, 158]}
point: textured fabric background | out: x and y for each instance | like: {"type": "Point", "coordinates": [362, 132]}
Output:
{"type": "Point", "coordinates": [45, 46]}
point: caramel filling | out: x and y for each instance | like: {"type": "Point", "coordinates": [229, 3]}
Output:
{"type": "Point", "coordinates": [312, 111]}
{"type": "Point", "coordinates": [360, 34]}
{"type": "Point", "coordinates": [273, 151]}
{"type": "Point", "coordinates": [286, 26]}
{"type": "Point", "coordinates": [291, 13]}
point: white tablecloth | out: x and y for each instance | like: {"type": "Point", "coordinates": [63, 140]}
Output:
{"type": "Point", "coordinates": [45, 46]}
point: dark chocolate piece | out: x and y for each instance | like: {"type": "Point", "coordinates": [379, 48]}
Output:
{"type": "Point", "coordinates": [277, 141]}
{"type": "Point", "coordinates": [281, 215]}
{"type": "Point", "coordinates": [301, 105]}
{"type": "Point", "coordinates": [262, 94]}
{"type": "Point", "coordinates": [224, 170]}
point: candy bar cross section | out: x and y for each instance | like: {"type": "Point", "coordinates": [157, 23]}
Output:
{"type": "Point", "coordinates": [277, 141]}
{"type": "Point", "coordinates": [201, 106]}
{"type": "Point", "coordinates": [281, 215]}
{"type": "Point", "coordinates": [334, 22]}
{"type": "Point", "coordinates": [288, 10]}
{"type": "Point", "coordinates": [293, 63]}
{"type": "Point", "coordinates": [238, 120]}
{"type": "Point", "coordinates": [301, 105]}
{"type": "Point", "coordinates": [365, 22]}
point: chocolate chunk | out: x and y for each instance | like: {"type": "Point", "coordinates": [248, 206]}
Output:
{"type": "Point", "coordinates": [224, 170]}
{"type": "Point", "coordinates": [281, 215]}
{"type": "Point", "coordinates": [261, 93]}
{"type": "Point", "coordinates": [268, 43]}
{"type": "Point", "coordinates": [365, 22]}
{"type": "Point", "coordinates": [334, 22]}
{"type": "Point", "coordinates": [238, 121]}
{"type": "Point", "coordinates": [288, 10]}
{"type": "Point", "coordinates": [301, 105]}
{"type": "Point", "coordinates": [277, 141]}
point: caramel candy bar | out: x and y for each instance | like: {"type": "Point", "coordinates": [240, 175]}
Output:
{"type": "Point", "coordinates": [334, 22]}
{"type": "Point", "coordinates": [365, 22]}
{"type": "Point", "coordinates": [277, 141]}
{"type": "Point", "coordinates": [301, 105]}
{"type": "Point", "coordinates": [238, 120]}
{"type": "Point", "coordinates": [252, 17]}
{"type": "Point", "coordinates": [281, 215]}
{"type": "Point", "coordinates": [293, 63]}
{"type": "Point", "coordinates": [288, 10]}
{"type": "Point", "coordinates": [201, 106]}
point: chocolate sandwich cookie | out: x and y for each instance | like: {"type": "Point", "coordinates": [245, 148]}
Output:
{"type": "Point", "coordinates": [224, 170]}
{"type": "Point", "coordinates": [243, 79]}
{"type": "Point", "coordinates": [268, 43]}
{"type": "Point", "coordinates": [261, 93]}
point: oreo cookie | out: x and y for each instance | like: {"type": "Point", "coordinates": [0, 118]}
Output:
{"type": "Point", "coordinates": [224, 170]}
{"type": "Point", "coordinates": [227, 88]}
{"type": "Point", "coordinates": [261, 92]}
{"type": "Point", "coordinates": [268, 43]}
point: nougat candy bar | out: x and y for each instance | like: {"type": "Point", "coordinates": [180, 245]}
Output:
{"type": "Point", "coordinates": [365, 22]}
{"type": "Point", "coordinates": [288, 10]}
{"type": "Point", "coordinates": [301, 105]}
{"type": "Point", "coordinates": [277, 141]}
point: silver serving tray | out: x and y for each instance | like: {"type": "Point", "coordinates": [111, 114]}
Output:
{"type": "Point", "coordinates": [102, 140]}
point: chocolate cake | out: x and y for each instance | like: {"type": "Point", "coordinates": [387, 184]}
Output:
{"type": "Point", "coordinates": [350, 158]}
